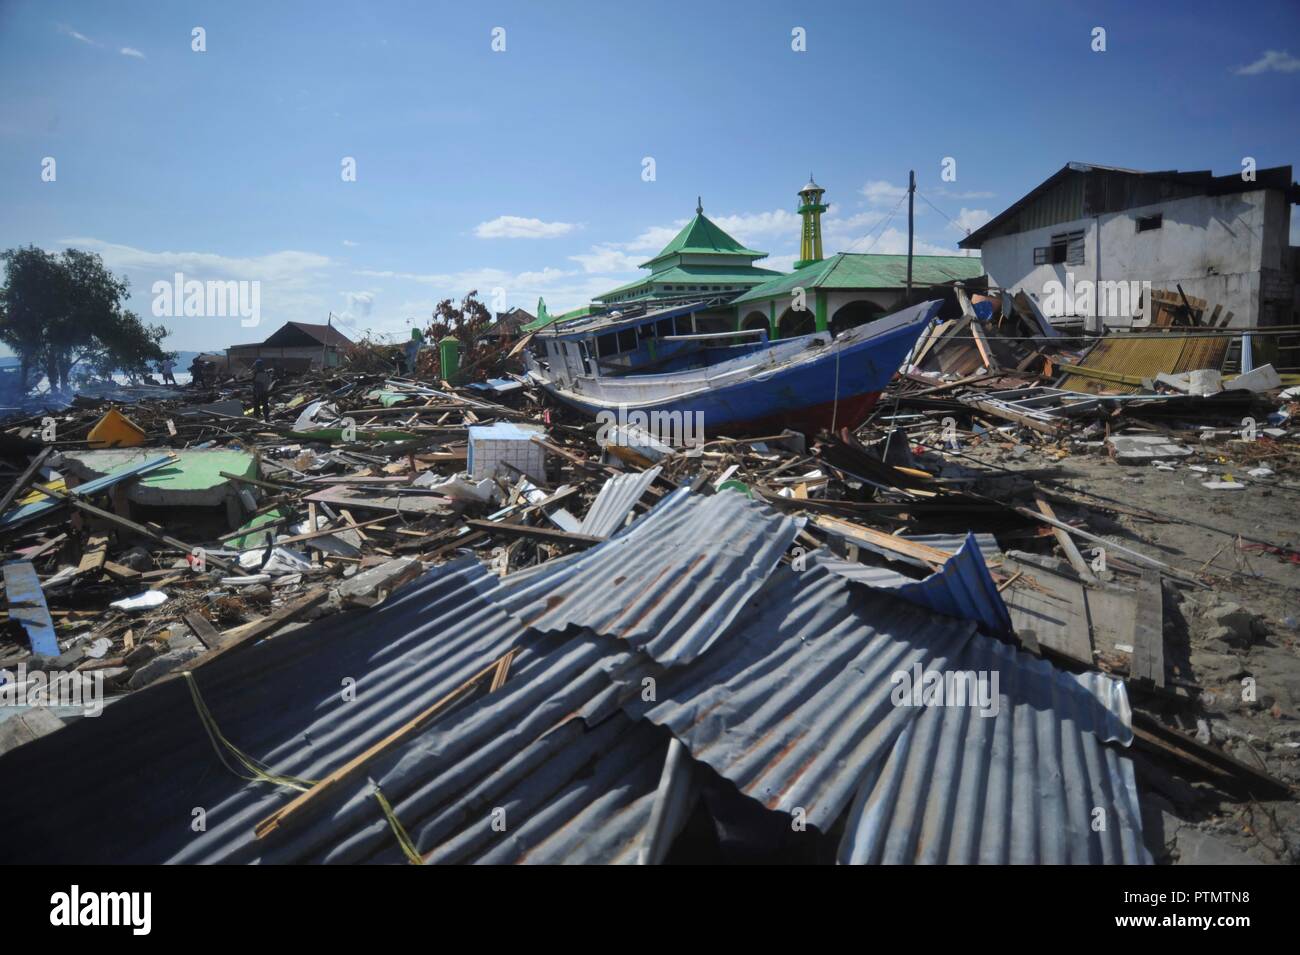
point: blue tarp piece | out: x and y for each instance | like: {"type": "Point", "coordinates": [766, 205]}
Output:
{"type": "Point", "coordinates": [27, 606]}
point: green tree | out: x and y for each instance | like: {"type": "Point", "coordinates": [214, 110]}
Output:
{"type": "Point", "coordinates": [61, 311]}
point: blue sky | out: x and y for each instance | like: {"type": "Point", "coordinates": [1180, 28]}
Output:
{"type": "Point", "coordinates": [521, 170]}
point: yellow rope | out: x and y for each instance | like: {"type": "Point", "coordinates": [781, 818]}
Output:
{"type": "Point", "coordinates": [403, 840]}
{"type": "Point", "coordinates": [258, 772]}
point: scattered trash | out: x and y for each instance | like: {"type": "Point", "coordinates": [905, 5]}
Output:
{"type": "Point", "coordinates": [976, 514]}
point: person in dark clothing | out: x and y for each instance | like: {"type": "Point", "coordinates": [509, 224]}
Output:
{"type": "Point", "coordinates": [261, 390]}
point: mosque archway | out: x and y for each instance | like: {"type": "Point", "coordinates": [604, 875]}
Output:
{"type": "Point", "coordinates": [855, 313]}
{"type": "Point", "coordinates": [794, 323]}
{"type": "Point", "coordinates": [755, 320]}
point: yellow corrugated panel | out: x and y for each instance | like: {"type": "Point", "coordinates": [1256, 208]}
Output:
{"type": "Point", "coordinates": [1145, 358]}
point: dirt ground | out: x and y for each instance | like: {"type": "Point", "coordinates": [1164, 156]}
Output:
{"type": "Point", "coordinates": [1243, 626]}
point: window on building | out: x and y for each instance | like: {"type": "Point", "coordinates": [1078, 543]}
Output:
{"type": "Point", "coordinates": [1147, 223]}
{"type": "Point", "coordinates": [1066, 248]}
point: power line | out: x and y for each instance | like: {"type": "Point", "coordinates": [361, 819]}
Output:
{"type": "Point", "coordinates": [880, 227]}
{"type": "Point", "coordinates": [927, 201]}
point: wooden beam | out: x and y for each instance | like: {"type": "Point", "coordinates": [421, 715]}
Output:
{"type": "Point", "coordinates": [1148, 662]}
{"type": "Point", "coordinates": [247, 636]}
{"type": "Point", "coordinates": [546, 534]}
{"type": "Point", "coordinates": [24, 479]}
{"type": "Point", "coordinates": [203, 629]}
{"type": "Point", "coordinates": [1067, 543]}
{"type": "Point", "coordinates": [1153, 736]}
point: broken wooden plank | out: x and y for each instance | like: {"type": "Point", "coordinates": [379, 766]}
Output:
{"type": "Point", "coordinates": [203, 629]}
{"type": "Point", "coordinates": [1067, 544]}
{"type": "Point", "coordinates": [247, 635]}
{"type": "Point", "coordinates": [95, 555]}
{"type": "Point", "coordinates": [1153, 736]}
{"type": "Point", "coordinates": [1148, 662]}
{"type": "Point", "coordinates": [931, 556]}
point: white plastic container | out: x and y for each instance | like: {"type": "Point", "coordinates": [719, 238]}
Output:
{"type": "Point", "coordinates": [491, 446]}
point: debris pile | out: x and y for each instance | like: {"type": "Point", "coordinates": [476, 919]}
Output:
{"type": "Point", "coordinates": [358, 628]}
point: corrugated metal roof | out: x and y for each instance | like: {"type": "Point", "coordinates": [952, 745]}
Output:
{"type": "Point", "coordinates": [964, 588]}
{"type": "Point", "coordinates": [796, 709]}
{"type": "Point", "coordinates": [788, 696]}
{"type": "Point", "coordinates": [574, 777]}
{"type": "Point", "coordinates": [1021, 786]}
{"type": "Point", "coordinates": [615, 500]}
{"type": "Point", "coordinates": [795, 704]}
{"type": "Point", "coordinates": [1136, 357]}
{"type": "Point", "coordinates": [669, 585]}
{"type": "Point", "coordinates": [848, 270]}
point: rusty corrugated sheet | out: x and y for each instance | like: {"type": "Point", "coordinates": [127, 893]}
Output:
{"type": "Point", "coordinates": [794, 705]}
{"type": "Point", "coordinates": [1034, 783]}
{"type": "Point", "coordinates": [1139, 358]}
{"type": "Point", "coordinates": [616, 499]}
{"type": "Point", "coordinates": [669, 585]}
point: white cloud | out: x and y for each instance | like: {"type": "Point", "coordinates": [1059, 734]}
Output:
{"type": "Point", "coordinates": [751, 228]}
{"type": "Point", "coordinates": [954, 194]}
{"type": "Point", "coordinates": [1272, 61]}
{"type": "Point", "coordinates": [779, 263]}
{"type": "Point", "coordinates": [883, 193]}
{"type": "Point", "coordinates": [893, 241]}
{"type": "Point", "coordinates": [517, 227]}
{"type": "Point", "coordinates": [652, 239]}
{"type": "Point", "coordinates": [606, 258]}
{"type": "Point", "coordinates": [131, 51]}
{"type": "Point", "coordinates": [350, 244]}
{"type": "Point", "coordinates": [359, 305]}
{"type": "Point", "coordinates": [292, 287]}
{"type": "Point", "coordinates": [68, 31]}
{"type": "Point", "coordinates": [968, 220]}
{"type": "Point", "coordinates": [287, 266]}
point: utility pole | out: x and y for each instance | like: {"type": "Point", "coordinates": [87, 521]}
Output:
{"type": "Point", "coordinates": [911, 202]}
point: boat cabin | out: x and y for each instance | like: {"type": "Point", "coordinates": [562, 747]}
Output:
{"type": "Point", "coordinates": [657, 341]}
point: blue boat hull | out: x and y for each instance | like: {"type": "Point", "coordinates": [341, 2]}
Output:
{"type": "Point", "coordinates": [833, 390]}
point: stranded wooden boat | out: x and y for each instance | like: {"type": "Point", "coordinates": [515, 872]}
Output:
{"type": "Point", "coordinates": [658, 362]}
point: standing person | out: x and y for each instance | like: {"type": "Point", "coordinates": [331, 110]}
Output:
{"type": "Point", "coordinates": [413, 351]}
{"type": "Point", "coordinates": [261, 390]}
{"type": "Point", "coordinates": [167, 367]}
